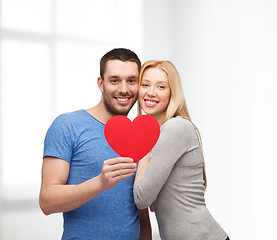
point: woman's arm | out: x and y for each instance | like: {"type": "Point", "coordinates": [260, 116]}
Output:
{"type": "Point", "coordinates": [172, 144]}
{"type": "Point", "coordinates": [142, 166]}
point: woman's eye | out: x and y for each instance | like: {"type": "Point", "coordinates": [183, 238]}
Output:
{"type": "Point", "coordinates": [144, 85]}
{"type": "Point", "coordinates": [161, 87]}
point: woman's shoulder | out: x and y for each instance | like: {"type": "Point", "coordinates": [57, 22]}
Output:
{"type": "Point", "coordinates": [178, 125]}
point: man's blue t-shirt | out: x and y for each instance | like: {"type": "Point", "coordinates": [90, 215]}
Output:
{"type": "Point", "coordinates": [78, 138]}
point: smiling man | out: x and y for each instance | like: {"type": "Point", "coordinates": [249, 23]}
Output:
{"type": "Point", "coordinates": [81, 175]}
{"type": "Point", "coordinates": [120, 88]}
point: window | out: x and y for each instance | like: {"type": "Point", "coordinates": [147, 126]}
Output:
{"type": "Point", "coordinates": [49, 62]}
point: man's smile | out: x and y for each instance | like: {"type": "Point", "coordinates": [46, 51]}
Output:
{"type": "Point", "coordinates": [123, 100]}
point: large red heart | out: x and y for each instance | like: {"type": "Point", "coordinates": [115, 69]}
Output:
{"type": "Point", "coordinates": [132, 139]}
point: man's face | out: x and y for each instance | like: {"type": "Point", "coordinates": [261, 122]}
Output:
{"type": "Point", "coordinates": [120, 86]}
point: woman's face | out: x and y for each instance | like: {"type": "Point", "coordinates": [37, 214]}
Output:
{"type": "Point", "coordinates": [154, 93]}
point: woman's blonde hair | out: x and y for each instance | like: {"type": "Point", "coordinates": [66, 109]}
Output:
{"type": "Point", "coordinates": [177, 104]}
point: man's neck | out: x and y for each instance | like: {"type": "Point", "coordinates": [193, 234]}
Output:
{"type": "Point", "coordinates": [100, 113]}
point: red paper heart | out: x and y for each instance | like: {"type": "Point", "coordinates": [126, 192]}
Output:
{"type": "Point", "coordinates": [132, 139]}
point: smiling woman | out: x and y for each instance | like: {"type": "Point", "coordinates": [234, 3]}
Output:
{"type": "Point", "coordinates": [154, 94]}
{"type": "Point", "coordinates": [173, 178]}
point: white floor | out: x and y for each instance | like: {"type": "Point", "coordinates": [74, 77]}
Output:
{"type": "Point", "coordinates": [30, 223]}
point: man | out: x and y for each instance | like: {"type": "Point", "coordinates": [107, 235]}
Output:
{"type": "Point", "coordinates": [81, 175]}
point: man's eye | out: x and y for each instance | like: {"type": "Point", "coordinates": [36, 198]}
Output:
{"type": "Point", "coordinates": [131, 81]}
{"type": "Point", "coordinates": [114, 80]}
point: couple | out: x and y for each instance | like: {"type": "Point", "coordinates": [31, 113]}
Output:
{"type": "Point", "coordinates": [93, 187]}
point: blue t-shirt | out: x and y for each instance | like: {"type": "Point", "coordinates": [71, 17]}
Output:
{"type": "Point", "coordinates": [78, 138]}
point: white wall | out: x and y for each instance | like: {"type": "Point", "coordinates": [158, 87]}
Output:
{"type": "Point", "coordinates": [49, 64]}
{"type": "Point", "coordinates": [226, 54]}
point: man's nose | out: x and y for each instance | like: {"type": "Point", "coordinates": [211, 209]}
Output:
{"type": "Point", "coordinates": [123, 88]}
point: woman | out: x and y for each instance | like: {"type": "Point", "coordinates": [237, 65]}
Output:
{"type": "Point", "coordinates": [173, 177]}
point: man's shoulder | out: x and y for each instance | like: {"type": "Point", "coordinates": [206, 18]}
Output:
{"type": "Point", "coordinates": [67, 119]}
{"type": "Point", "coordinates": [70, 116]}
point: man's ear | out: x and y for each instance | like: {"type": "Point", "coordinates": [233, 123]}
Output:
{"type": "Point", "coordinates": [100, 83]}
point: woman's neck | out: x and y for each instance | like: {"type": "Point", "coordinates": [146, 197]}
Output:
{"type": "Point", "coordinates": [160, 118]}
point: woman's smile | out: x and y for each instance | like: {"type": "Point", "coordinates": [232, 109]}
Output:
{"type": "Point", "coordinates": [154, 93]}
{"type": "Point", "coordinates": [150, 103]}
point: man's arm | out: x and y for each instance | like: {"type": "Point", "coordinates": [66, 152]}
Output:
{"type": "Point", "coordinates": [56, 196]}
{"type": "Point", "coordinates": [145, 225]}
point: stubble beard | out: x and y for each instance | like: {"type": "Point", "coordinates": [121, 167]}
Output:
{"type": "Point", "coordinates": [112, 110]}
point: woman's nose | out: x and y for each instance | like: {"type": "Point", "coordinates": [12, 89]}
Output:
{"type": "Point", "coordinates": [151, 92]}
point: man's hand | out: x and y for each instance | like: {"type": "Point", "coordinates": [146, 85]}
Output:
{"type": "Point", "coordinates": [57, 196]}
{"type": "Point", "coordinates": [115, 170]}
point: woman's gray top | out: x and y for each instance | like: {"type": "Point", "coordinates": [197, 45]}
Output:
{"type": "Point", "coordinates": [173, 182]}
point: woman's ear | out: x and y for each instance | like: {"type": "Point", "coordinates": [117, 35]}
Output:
{"type": "Point", "coordinates": [100, 83]}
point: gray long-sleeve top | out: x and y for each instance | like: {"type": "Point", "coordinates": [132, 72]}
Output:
{"type": "Point", "coordinates": [173, 182]}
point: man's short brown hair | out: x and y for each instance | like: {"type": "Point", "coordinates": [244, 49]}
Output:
{"type": "Point", "coordinates": [121, 54]}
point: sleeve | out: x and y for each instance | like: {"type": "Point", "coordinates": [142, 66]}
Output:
{"type": "Point", "coordinates": [173, 142]}
{"type": "Point", "coordinates": [58, 140]}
